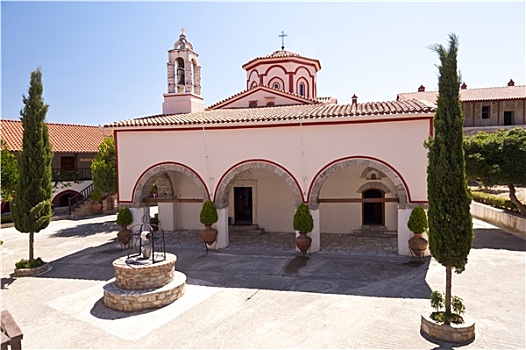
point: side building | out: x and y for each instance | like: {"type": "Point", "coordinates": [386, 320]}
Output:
{"type": "Point", "coordinates": [485, 109]}
{"type": "Point", "coordinates": [74, 148]}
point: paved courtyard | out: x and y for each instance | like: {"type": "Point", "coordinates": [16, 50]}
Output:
{"type": "Point", "coordinates": [259, 293]}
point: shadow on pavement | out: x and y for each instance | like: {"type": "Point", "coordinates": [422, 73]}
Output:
{"type": "Point", "coordinates": [390, 277]}
{"type": "Point", "coordinates": [84, 230]}
{"type": "Point", "coordinates": [93, 263]}
{"type": "Point", "coordinates": [497, 239]}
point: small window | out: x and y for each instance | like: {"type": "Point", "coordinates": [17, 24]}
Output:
{"type": "Point", "coordinates": [485, 112]}
{"type": "Point", "coordinates": [276, 86]}
{"type": "Point", "coordinates": [302, 89]}
{"type": "Point", "coordinates": [252, 104]}
{"type": "Point", "coordinates": [270, 104]}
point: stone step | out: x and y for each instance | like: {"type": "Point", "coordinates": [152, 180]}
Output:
{"type": "Point", "coordinates": [253, 230]}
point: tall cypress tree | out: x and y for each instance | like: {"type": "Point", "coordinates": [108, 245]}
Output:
{"type": "Point", "coordinates": [32, 205]}
{"type": "Point", "coordinates": [450, 223]}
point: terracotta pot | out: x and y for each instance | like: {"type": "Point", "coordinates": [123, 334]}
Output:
{"type": "Point", "coordinates": [209, 235]}
{"type": "Point", "coordinates": [124, 236]}
{"type": "Point", "coordinates": [96, 207]}
{"type": "Point", "coordinates": [418, 244]}
{"type": "Point", "coordinates": [303, 242]}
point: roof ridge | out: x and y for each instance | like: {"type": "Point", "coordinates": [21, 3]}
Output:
{"type": "Point", "coordinates": [54, 123]}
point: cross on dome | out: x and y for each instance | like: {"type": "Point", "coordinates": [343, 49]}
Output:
{"type": "Point", "coordinates": [182, 31]}
{"type": "Point", "coordinates": [282, 36]}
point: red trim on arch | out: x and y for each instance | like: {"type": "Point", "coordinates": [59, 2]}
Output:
{"type": "Point", "coordinates": [363, 157]}
{"type": "Point", "coordinates": [257, 160]}
{"type": "Point", "coordinates": [163, 163]}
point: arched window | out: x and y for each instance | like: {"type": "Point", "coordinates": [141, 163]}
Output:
{"type": "Point", "coordinates": [270, 104]}
{"type": "Point", "coordinates": [252, 104]}
{"type": "Point", "coordinates": [302, 89]}
{"type": "Point", "coordinates": [276, 86]}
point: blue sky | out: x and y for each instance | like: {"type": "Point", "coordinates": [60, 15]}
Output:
{"type": "Point", "coordinates": [106, 61]}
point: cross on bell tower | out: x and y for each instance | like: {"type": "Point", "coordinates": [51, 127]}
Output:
{"type": "Point", "coordinates": [282, 36]}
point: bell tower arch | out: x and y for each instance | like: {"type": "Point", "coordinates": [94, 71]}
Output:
{"type": "Point", "coordinates": [184, 79]}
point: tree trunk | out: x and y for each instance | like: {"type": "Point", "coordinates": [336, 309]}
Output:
{"type": "Point", "coordinates": [31, 240]}
{"type": "Point", "coordinates": [516, 201]}
{"type": "Point", "coordinates": [448, 294]}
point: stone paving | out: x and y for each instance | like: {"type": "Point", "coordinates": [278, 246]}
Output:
{"type": "Point", "coordinates": [248, 296]}
{"type": "Point", "coordinates": [371, 243]}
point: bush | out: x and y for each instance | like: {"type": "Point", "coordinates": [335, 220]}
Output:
{"type": "Point", "coordinates": [303, 221]}
{"type": "Point", "coordinates": [418, 220]}
{"type": "Point", "coordinates": [29, 264]}
{"type": "Point", "coordinates": [95, 195]}
{"type": "Point", "coordinates": [7, 218]}
{"type": "Point", "coordinates": [124, 218]}
{"type": "Point", "coordinates": [494, 201]}
{"type": "Point", "coordinates": [208, 215]}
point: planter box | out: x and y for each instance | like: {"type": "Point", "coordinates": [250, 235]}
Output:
{"type": "Point", "coordinates": [31, 272]}
{"type": "Point", "coordinates": [453, 333]}
{"type": "Point", "coordinates": [511, 223]}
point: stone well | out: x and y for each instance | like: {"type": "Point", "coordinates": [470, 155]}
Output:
{"type": "Point", "coordinates": [140, 284]}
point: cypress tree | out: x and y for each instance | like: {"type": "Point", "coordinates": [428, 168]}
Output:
{"type": "Point", "coordinates": [32, 205]}
{"type": "Point", "coordinates": [450, 223]}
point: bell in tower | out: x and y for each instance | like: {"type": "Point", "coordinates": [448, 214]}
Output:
{"type": "Point", "coordinates": [184, 79]}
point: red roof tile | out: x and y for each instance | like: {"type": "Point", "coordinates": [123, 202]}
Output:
{"type": "Point", "coordinates": [64, 138]}
{"type": "Point", "coordinates": [472, 95]}
{"type": "Point", "coordinates": [325, 112]}
{"type": "Point", "coordinates": [296, 97]}
{"type": "Point", "coordinates": [280, 54]}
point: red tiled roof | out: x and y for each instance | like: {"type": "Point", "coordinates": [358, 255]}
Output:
{"type": "Point", "coordinates": [279, 114]}
{"type": "Point", "coordinates": [64, 138]}
{"type": "Point", "coordinates": [472, 95]}
{"type": "Point", "coordinates": [297, 97]}
{"type": "Point", "coordinates": [279, 54]}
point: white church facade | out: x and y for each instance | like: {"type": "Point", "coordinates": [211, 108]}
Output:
{"type": "Point", "coordinates": [261, 152]}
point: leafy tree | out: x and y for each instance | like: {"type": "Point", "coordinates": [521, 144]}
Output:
{"type": "Point", "coordinates": [103, 167]}
{"type": "Point", "coordinates": [9, 170]}
{"type": "Point", "coordinates": [450, 222]}
{"type": "Point", "coordinates": [32, 205]}
{"type": "Point", "coordinates": [498, 158]}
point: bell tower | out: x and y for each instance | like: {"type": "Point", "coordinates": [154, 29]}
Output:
{"type": "Point", "coordinates": [184, 79]}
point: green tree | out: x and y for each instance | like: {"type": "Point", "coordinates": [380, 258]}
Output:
{"type": "Point", "coordinates": [103, 167]}
{"type": "Point", "coordinates": [498, 158]}
{"type": "Point", "coordinates": [9, 170]}
{"type": "Point", "coordinates": [32, 205]}
{"type": "Point", "coordinates": [450, 222]}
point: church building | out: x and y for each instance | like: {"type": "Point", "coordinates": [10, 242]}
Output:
{"type": "Point", "coordinates": [260, 153]}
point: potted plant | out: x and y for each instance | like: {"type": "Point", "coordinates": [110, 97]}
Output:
{"type": "Point", "coordinates": [153, 191]}
{"type": "Point", "coordinates": [96, 205]}
{"type": "Point", "coordinates": [303, 223]}
{"type": "Point", "coordinates": [124, 219]}
{"type": "Point", "coordinates": [208, 217]}
{"type": "Point", "coordinates": [418, 224]}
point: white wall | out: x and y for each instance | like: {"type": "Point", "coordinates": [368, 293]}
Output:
{"type": "Point", "coordinates": [399, 144]}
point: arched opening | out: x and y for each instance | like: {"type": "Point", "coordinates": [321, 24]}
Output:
{"type": "Point", "coordinates": [179, 74]}
{"type": "Point", "coordinates": [373, 211]}
{"type": "Point", "coordinates": [259, 193]}
{"type": "Point", "coordinates": [180, 195]}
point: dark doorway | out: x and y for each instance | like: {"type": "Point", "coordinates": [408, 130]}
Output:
{"type": "Point", "coordinates": [373, 212]}
{"type": "Point", "coordinates": [243, 205]}
{"type": "Point", "coordinates": [508, 118]}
